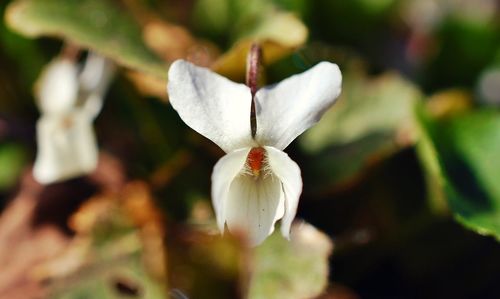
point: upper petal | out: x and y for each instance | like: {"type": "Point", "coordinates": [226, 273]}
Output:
{"type": "Point", "coordinates": [254, 205]}
{"type": "Point", "coordinates": [288, 172]}
{"type": "Point", "coordinates": [287, 109]}
{"type": "Point", "coordinates": [94, 81]}
{"type": "Point", "coordinates": [212, 105]}
{"type": "Point", "coordinates": [226, 169]}
{"type": "Point", "coordinates": [57, 87]}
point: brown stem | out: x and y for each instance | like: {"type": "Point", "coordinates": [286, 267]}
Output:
{"type": "Point", "coordinates": [254, 64]}
{"type": "Point", "coordinates": [70, 51]}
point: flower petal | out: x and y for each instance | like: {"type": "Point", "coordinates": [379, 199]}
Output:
{"type": "Point", "coordinates": [212, 105]}
{"type": "Point", "coordinates": [226, 169]}
{"type": "Point", "coordinates": [57, 88]}
{"type": "Point", "coordinates": [94, 81]}
{"type": "Point", "coordinates": [287, 109]}
{"type": "Point", "coordinates": [288, 172]}
{"type": "Point", "coordinates": [66, 147]}
{"type": "Point", "coordinates": [254, 205]}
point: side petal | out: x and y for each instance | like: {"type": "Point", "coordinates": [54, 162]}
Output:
{"type": "Point", "coordinates": [288, 172]}
{"type": "Point", "coordinates": [57, 87]}
{"type": "Point", "coordinates": [226, 169]}
{"type": "Point", "coordinates": [66, 147]}
{"type": "Point", "coordinates": [253, 206]}
{"type": "Point", "coordinates": [287, 109]}
{"type": "Point", "coordinates": [212, 105]}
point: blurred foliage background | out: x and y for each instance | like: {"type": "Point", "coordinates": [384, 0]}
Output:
{"type": "Point", "coordinates": [401, 196]}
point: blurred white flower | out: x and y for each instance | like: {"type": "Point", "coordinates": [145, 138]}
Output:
{"type": "Point", "coordinates": [69, 101]}
{"type": "Point", "coordinates": [255, 183]}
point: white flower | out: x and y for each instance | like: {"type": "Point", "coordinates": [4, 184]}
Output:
{"type": "Point", "coordinates": [255, 183]}
{"type": "Point", "coordinates": [69, 101]}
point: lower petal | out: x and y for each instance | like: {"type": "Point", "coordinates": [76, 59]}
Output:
{"type": "Point", "coordinates": [254, 205]}
{"type": "Point", "coordinates": [66, 147]}
{"type": "Point", "coordinates": [226, 169]}
{"type": "Point", "coordinates": [288, 172]}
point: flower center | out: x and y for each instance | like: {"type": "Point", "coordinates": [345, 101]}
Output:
{"type": "Point", "coordinates": [256, 160]}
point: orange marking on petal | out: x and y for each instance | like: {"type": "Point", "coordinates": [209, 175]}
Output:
{"type": "Point", "coordinates": [255, 159]}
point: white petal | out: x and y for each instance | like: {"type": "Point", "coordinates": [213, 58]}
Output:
{"type": "Point", "coordinates": [226, 169]}
{"type": "Point", "coordinates": [96, 73]}
{"type": "Point", "coordinates": [212, 105]}
{"type": "Point", "coordinates": [66, 147]}
{"type": "Point", "coordinates": [94, 82]}
{"type": "Point", "coordinates": [254, 205]}
{"type": "Point", "coordinates": [292, 106]}
{"type": "Point", "coordinates": [288, 172]}
{"type": "Point", "coordinates": [57, 88]}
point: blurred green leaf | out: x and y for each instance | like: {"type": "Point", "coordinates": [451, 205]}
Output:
{"type": "Point", "coordinates": [121, 274]}
{"type": "Point", "coordinates": [278, 32]}
{"type": "Point", "coordinates": [291, 269]}
{"type": "Point", "coordinates": [467, 147]}
{"type": "Point", "coordinates": [433, 174]}
{"type": "Point", "coordinates": [202, 266]}
{"type": "Point", "coordinates": [100, 25]}
{"type": "Point", "coordinates": [375, 7]}
{"type": "Point", "coordinates": [12, 161]}
{"type": "Point", "coordinates": [25, 53]}
{"type": "Point", "coordinates": [205, 267]}
{"type": "Point", "coordinates": [465, 48]}
{"type": "Point", "coordinates": [112, 257]}
{"type": "Point", "coordinates": [373, 119]}
{"type": "Point", "coordinates": [231, 20]}
{"type": "Point", "coordinates": [444, 104]}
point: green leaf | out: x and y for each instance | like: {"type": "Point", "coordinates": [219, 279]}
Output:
{"type": "Point", "coordinates": [291, 269]}
{"type": "Point", "coordinates": [278, 32]}
{"type": "Point", "coordinates": [12, 161]}
{"type": "Point", "coordinates": [232, 20]}
{"type": "Point", "coordinates": [373, 118]}
{"type": "Point", "coordinates": [110, 256]}
{"type": "Point", "coordinates": [467, 147]}
{"type": "Point", "coordinates": [121, 274]}
{"type": "Point", "coordinates": [204, 266]}
{"type": "Point", "coordinates": [99, 25]}
{"type": "Point", "coordinates": [433, 174]}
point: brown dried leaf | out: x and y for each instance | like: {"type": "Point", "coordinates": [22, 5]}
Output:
{"type": "Point", "coordinates": [24, 245]}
